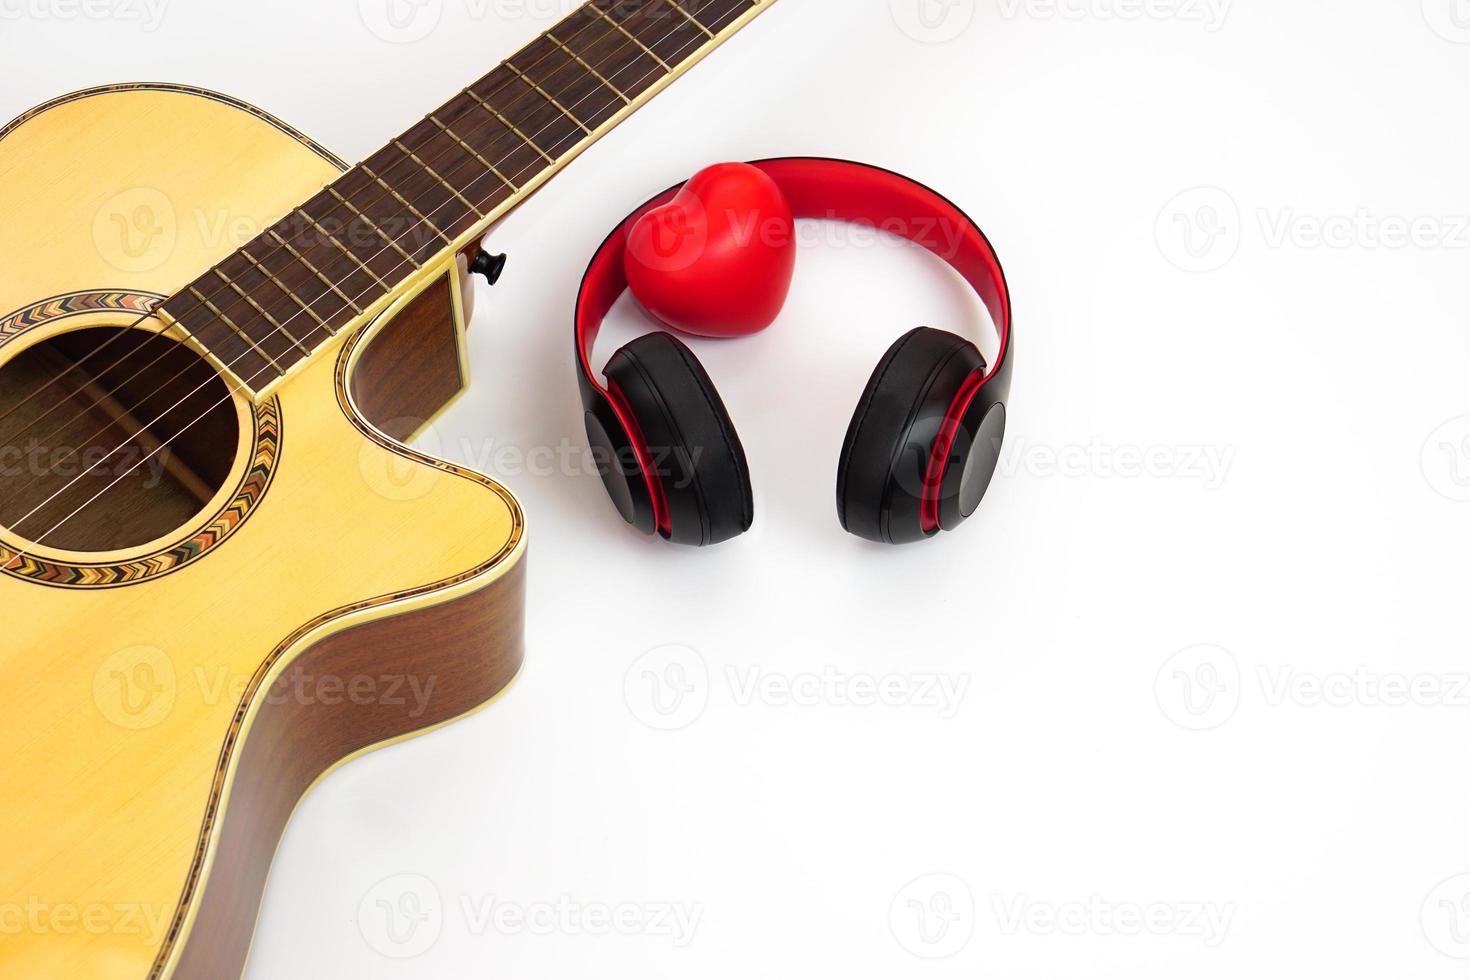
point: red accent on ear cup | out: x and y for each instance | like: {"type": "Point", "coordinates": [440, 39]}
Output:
{"type": "Point", "coordinates": [965, 457]}
{"type": "Point", "coordinates": [611, 427]}
{"type": "Point", "coordinates": [882, 478]}
{"type": "Point", "coordinates": [617, 456]}
{"type": "Point", "coordinates": [717, 260]}
{"type": "Point", "coordinates": [696, 455]}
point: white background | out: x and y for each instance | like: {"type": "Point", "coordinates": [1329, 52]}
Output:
{"type": "Point", "coordinates": [1269, 800]}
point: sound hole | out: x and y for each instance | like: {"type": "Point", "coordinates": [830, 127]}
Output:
{"type": "Point", "coordinates": [110, 438]}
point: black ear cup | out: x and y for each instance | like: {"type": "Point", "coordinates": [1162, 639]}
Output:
{"type": "Point", "coordinates": [882, 475]}
{"type": "Point", "coordinates": [617, 463]}
{"type": "Point", "coordinates": [695, 450]}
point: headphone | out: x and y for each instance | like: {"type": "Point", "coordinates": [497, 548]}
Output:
{"type": "Point", "coordinates": [924, 442]}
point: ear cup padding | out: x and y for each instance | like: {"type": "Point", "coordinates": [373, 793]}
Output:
{"type": "Point", "coordinates": [884, 465]}
{"type": "Point", "coordinates": [696, 453]}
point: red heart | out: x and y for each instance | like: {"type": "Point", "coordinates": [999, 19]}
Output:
{"type": "Point", "coordinates": [717, 260]}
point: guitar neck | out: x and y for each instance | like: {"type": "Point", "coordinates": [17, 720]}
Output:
{"type": "Point", "coordinates": [397, 218]}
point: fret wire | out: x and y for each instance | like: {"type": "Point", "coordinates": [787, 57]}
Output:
{"type": "Point", "coordinates": [227, 327]}
{"type": "Point", "coordinates": [343, 249]}
{"type": "Point", "coordinates": [690, 17]}
{"type": "Point", "coordinates": [482, 135]}
{"type": "Point", "coordinates": [528, 89]}
{"type": "Point", "coordinates": [435, 174]}
{"type": "Point", "coordinates": [386, 192]}
{"type": "Point", "coordinates": [590, 70]}
{"type": "Point", "coordinates": [288, 291]}
{"type": "Point", "coordinates": [231, 324]}
{"type": "Point", "coordinates": [315, 271]}
{"type": "Point", "coordinates": [509, 82]}
{"type": "Point", "coordinates": [401, 200]}
{"type": "Point", "coordinates": [549, 98]}
{"type": "Point", "coordinates": [509, 125]}
{"type": "Point", "coordinates": [262, 311]}
{"type": "Point", "coordinates": [477, 120]}
{"type": "Point", "coordinates": [626, 33]}
{"type": "Point", "coordinates": [724, 15]}
{"type": "Point", "coordinates": [474, 153]}
{"type": "Point", "coordinates": [344, 200]}
{"type": "Point", "coordinates": [392, 243]}
{"type": "Point", "coordinates": [665, 31]}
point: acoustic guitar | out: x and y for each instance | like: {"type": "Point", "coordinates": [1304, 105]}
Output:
{"type": "Point", "coordinates": [222, 571]}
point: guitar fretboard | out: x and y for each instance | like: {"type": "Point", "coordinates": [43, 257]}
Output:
{"type": "Point", "coordinates": [340, 256]}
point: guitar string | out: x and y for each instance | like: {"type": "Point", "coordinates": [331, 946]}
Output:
{"type": "Point", "coordinates": [129, 331]}
{"type": "Point", "coordinates": [699, 42]}
{"type": "Point", "coordinates": [170, 346]}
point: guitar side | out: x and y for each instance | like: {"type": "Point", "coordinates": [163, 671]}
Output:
{"type": "Point", "coordinates": [168, 706]}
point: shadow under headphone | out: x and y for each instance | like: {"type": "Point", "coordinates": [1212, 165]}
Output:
{"type": "Point", "coordinates": [925, 439]}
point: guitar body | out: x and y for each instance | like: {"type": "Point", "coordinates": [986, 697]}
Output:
{"type": "Point", "coordinates": [169, 694]}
